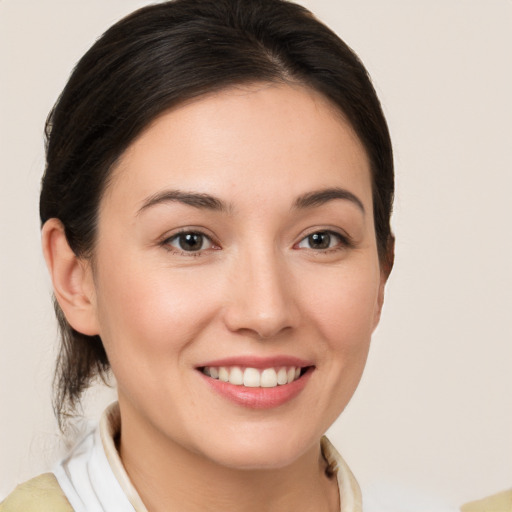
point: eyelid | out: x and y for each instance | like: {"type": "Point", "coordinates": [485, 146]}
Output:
{"type": "Point", "coordinates": [165, 240]}
{"type": "Point", "coordinates": [345, 241]}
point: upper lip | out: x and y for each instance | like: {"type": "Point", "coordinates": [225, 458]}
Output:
{"type": "Point", "coordinates": [258, 362]}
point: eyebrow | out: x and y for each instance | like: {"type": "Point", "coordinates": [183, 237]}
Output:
{"type": "Point", "coordinates": [320, 197]}
{"type": "Point", "coordinates": [197, 200]}
{"type": "Point", "coordinates": [209, 202]}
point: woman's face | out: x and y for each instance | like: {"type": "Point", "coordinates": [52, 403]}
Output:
{"type": "Point", "coordinates": [236, 242]}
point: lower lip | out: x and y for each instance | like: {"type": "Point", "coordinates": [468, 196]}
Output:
{"type": "Point", "coordinates": [259, 398]}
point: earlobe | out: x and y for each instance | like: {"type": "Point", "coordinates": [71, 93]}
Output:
{"type": "Point", "coordinates": [72, 279]}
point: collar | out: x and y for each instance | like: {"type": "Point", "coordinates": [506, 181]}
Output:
{"type": "Point", "coordinates": [110, 428]}
{"type": "Point", "coordinates": [93, 476]}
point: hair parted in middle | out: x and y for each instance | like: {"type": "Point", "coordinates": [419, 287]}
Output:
{"type": "Point", "coordinates": [162, 56]}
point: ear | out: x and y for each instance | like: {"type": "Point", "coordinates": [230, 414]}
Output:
{"type": "Point", "coordinates": [72, 279]}
{"type": "Point", "coordinates": [385, 269]}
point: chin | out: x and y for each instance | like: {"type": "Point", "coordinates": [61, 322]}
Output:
{"type": "Point", "coordinates": [261, 452]}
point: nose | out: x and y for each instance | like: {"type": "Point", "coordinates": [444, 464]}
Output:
{"type": "Point", "coordinates": [260, 302]}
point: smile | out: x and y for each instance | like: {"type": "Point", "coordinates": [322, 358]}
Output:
{"type": "Point", "coordinates": [254, 377]}
{"type": "Point", "coordinates": [255, 382]}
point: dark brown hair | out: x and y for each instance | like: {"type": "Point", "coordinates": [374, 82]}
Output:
{"type": "Point", "coordinates": [163, 55]}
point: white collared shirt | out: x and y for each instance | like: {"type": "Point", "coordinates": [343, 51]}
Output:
{"type": "Point", "coordinates": [93, 478]}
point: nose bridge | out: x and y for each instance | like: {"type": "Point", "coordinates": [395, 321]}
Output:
{"type": "Point", "coordinates": [260, 302]}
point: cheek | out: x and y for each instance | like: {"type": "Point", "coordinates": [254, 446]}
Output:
{"type": "Point", "coordinates": [150, 313]}
{"type": "Point", "coordinates": [344, 304]}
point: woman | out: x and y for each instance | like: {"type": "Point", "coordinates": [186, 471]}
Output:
{"type": "Point", "coordinates": [215, 213]}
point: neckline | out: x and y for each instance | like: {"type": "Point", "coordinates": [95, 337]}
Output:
{"type": "Point", "coordinates": [110, 427]}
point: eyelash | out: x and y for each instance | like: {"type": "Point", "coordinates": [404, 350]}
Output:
{"type": "Point", "coordinates": [343, 242]}
{"type": "Point", "coordinates": [167, 243]}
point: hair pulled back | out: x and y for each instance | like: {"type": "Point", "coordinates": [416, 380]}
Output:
{"type": "Point", "coordinates": [161, 56]}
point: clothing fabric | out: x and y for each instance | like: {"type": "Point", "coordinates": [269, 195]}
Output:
{"type": "Point", "coordinates": [501, 502]}
{"type": "Point", "coordinates": [41, 494]}
{"type": "Point", "coordinates": [94, 480]}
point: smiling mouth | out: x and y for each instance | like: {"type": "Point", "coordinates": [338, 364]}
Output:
{"type": "Point", "coordinates": [254, 377]}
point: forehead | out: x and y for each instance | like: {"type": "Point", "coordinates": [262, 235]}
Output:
{"type": "Point", "coordinates": [262, 136]}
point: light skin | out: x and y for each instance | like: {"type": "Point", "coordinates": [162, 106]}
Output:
{"type": "Point", "coordinates": [273, 188]}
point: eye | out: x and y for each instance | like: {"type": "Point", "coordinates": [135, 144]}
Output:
{"type": "Point", "coordinates": [322, 240]}
{"type": "Point", "coordinates": [190, 241]}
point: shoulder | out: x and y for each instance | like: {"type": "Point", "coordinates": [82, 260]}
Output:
{"type": "Point", "coordinates": [501, 502]}
{"type": "Point", "coordinates": [41, 494]}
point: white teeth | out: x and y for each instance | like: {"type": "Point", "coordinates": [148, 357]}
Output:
{"type": "Point", "coordinates": [268, 378]}
{"type": "Point", "coordinates": [223, 374]}
{"type": "Point", "coordinates": [282, 376]}
{"type": "Point", "coordinates": [236, 376]}
{"type": "Point", "coordinates": [252, 377]}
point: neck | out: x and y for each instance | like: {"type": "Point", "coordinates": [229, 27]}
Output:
{"type": "Point", "coordinates": [168, 476]}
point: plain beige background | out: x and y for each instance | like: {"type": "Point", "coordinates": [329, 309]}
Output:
{"type": "Point", "coordinates": [434, 409]}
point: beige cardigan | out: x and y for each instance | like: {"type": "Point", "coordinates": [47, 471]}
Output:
{"type": "Point", "coordinates": [43, 493]}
